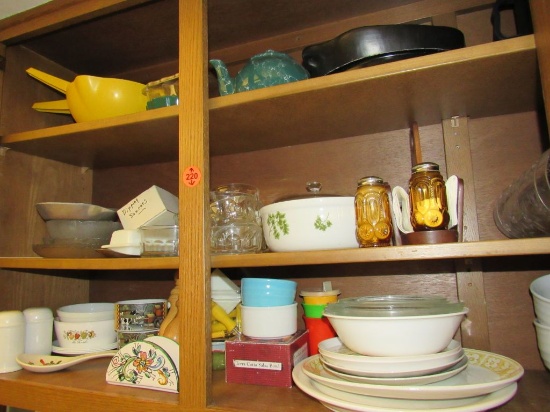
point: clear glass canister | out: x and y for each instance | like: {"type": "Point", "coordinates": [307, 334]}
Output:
{"type": "Point", "coordinates": [428, 198]}
{"type": "Point", "coordinates": [372, 212]}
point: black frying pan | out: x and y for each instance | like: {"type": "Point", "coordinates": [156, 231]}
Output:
{"type": "Point", "coordinates": [372, 45]}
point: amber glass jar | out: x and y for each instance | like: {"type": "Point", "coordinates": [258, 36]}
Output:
{"type": "Point", "coordinates": [428, 198]}
{"type": "Point", "coordinates": [372, 212]}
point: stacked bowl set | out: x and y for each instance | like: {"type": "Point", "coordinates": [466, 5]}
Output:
{"type": "Point", "coordinates": [399, 353]}
{"type": "Point", "coordinates": [268, 309]}
{"type": "Point", "coordinates": [84, 328]}
{"type": "Point", "coordinates": [75, 229]}
{"type": "Point", "coordinates": [540, 291]}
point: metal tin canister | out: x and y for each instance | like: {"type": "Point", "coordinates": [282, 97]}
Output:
{"type": "Point", "coordinates": [428, 198]}
{"type": "Point", "coordinates": [372, 212]}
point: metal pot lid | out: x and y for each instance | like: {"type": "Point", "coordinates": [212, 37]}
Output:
{"type": "Point", "coordinates": [373, 45]}
{"type": "Point", "coordinates": [313, 191]}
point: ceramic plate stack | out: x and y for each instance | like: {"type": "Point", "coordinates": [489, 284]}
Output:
{"type": "Point", "coordinates": [453, 379]}
{"type": "Point", "coordinates": [480, 381]}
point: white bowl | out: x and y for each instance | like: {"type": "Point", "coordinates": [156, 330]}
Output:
{"type": "Point", "coordinates": [543, 342]}
{"type": "Point", "coordinates": [315, 223]}
{"type": "Point", "coordinates": [397, 336]}
{"type": "Point", "coordinates": [84, 335]}
{"type": "Point", "coordinates": [269, 322]}
{"type": "Point", "coordinates": [540, 290]}
{"type": "Point", "coordinates": [86, 312]}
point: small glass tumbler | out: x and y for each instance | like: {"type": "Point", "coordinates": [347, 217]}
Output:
{"type": "Point", "coordinates": [523, 209]}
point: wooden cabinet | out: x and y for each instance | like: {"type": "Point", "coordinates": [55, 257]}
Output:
{"type": "Point", "coordinates": [480, 114]}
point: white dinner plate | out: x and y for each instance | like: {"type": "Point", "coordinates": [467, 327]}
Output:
{"type": "Point", "coordinates": [81, 351]}
{"type": "Point", "coordinates": [343, 359]}
{"type": "Point", "coordinates": [348, 402]}
{"type": "Point", "coordinates": [411, 380]}
{"type": "Point", "coordinates": [486, 372]}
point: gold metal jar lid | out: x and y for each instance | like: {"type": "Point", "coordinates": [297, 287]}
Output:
{"type": "Point", "coordinates": [370, 180]}
{"type": "Point", "coordinates": [425, 167]}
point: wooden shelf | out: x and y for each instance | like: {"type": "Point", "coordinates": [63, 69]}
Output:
{"type": "Point", "coordinates": [89, 379]}
{"type": "Point", "coordinates": [85, 381]}
{"type": "Point", "coordinates": [426, 89]}
{"type": "Point", "coordinates": [480, 81]}
{"type": "Point", "coordinates": [463, 250]}
{"type": "Point", "coordinates": [89, 264]}
{"type": "Point", "coordinates": [141, 138]}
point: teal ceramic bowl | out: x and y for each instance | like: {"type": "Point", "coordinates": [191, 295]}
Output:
{"type": "Point", "coordinates": [261, 292]}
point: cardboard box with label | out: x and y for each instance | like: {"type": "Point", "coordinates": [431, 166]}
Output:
{"type": "Point", "coordinates": [155, 206]}
{"type": "Point", "coordinates": [264, 362]}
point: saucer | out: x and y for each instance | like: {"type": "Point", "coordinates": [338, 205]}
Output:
{"type": "Point", "coordinates": [81, 351]}
{"type": "Point", "coordinates": [411, 380]}
{"type": "Point", "coordinates": [339, 357]}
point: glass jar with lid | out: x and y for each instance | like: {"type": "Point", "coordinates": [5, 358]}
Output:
{"type": "Point", "coordinates": [372, 212]}
{"type": "Point", "coordinates": [428, 198]}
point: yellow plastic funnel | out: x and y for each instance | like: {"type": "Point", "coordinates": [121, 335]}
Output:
{"type": "Point", "coordinates": [92, 98]}
{"type": "Point", "coordinates": [55, 106]}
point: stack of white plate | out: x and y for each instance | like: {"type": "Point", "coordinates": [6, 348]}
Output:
{"type": "Point", "coordinates": [456, 379]}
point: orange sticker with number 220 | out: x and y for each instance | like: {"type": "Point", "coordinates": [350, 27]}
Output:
{"type": "Point", "coordinates": [192, 176]}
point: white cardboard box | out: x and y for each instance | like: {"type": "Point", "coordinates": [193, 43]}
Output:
{"type": "Point", "coordinates": [155, 206]}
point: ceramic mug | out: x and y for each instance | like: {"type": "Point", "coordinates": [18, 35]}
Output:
{"type": "Point", "coordinates": [140, 314]}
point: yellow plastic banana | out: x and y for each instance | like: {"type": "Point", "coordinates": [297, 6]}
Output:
{"type": "Point", "coordinates": [219, 314]}
{"type": "Point", "coordinates": [217, 326]}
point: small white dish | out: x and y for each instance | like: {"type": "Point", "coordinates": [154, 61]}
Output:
{"type": "Point", "coordinates": [411, 380]}
{"type": "Point", "coordinates": [127, 249]}
{"type": "Point", "coordinates": [343, 359]}
{"type": "Point", "coordinates": [46, 363]}
{"type": "Point", "coordinates": [81, 351]}
{"type": "Point", "coordinates": [486, 372]}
